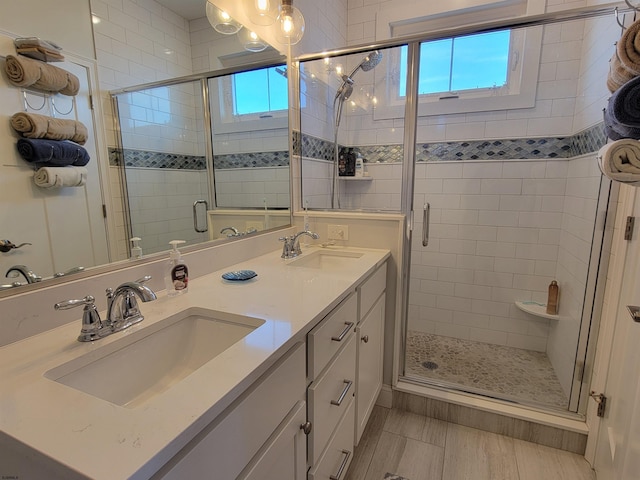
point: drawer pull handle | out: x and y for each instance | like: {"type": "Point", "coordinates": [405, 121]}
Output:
{"type": "Point", "coordinates": [346, 454]}
{"type": "Point", "coordinates": [365, 339]}
{"type": "Point", "coordinates": [338, 402]}
{"type": "Point", "coordinates": [306, 427]}
{"type": "Point", "coordinates": [344, 332]}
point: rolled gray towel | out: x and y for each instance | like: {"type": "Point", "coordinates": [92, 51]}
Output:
{"type": "Point", "coordinates": [624, 104]}
{"type": "Point", "coordinates": [617, 131]}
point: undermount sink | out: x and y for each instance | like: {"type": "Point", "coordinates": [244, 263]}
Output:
{"type": "Point", "coordinates": [326, 259]}
{"type": "Point", "coordinates": [147, 362]}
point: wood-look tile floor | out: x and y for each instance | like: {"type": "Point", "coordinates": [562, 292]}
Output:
{"type": "Point", "coordinates": [414, 447]}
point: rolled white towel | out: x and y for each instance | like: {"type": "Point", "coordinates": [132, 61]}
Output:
{"type": "Point", "coordinates": [50, 177]}
{"type": "Point", "coordinates": [620, 161]}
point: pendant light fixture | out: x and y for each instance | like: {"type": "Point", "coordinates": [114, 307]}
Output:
{"type": "Point", "coordinates": [264, 12]}
{"type": "Point", "coordinates": [221, 21]}
{"type": "Point", "coordinates": [251, 41]}
{"type": "Point", "coordinates": [290, 24]}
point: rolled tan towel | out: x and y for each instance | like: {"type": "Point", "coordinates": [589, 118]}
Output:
{"type": "Point", "coordinates": [628, 48]}
{"type": "Point", "coordinates": [32, 125]}
{"type": "Point", "coordinates": [50, 177]}
{"type": "Point", "coordinates": [618, 74]}
{"type": "Point", "coordinates": [26, 72]}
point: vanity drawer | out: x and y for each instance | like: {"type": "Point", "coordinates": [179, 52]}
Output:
{"type": "Point", "coordinates": [336, 458]}
{"type": "Point", "coordinates": [329, 397]}
{"type": "Point", "coordinates": [371, 289]}
{"type": "Point", "coordinates": [330, 334]}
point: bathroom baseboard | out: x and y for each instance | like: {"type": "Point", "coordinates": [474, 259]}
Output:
{"type": "Point", "coordinates": [385, 398]}
{"type": "Point", "coordinates": [503, 424]}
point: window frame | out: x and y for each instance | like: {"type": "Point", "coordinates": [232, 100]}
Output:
{"type": "Point", "coordinates": [519, 92]}
{"type": "Point", "coordinates": [222, 104]}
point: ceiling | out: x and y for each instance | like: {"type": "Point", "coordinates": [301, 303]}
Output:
{"type": "Point", "coordinates": [188, 9]}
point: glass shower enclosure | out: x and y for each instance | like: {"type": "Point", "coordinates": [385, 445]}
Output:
{"type": "Point", "coordinates": [486, 141]}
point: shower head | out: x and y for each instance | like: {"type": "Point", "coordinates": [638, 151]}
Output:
{"type": "Point", "coordinates": [368, 63]}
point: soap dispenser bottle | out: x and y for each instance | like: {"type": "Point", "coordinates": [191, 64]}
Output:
{"type": "Point", "coordinates": [136, 250]}
{"type": "Point", "coordinates": [553, 298]}
{"type": "Point", "coordinates": [176, 278]}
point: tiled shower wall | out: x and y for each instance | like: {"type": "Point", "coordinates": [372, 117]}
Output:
{"type": "Point", "coordinates": [253, 187]}
{"type": "Point", "coordinates": [597, 46]}
{"type": "Point", "coordinates": [136, 43]}
{"type": "Point", "coordinates": [161, 204]}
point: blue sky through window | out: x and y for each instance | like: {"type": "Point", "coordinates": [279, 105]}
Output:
{"type": "Point", "coordinates": [259, 91]}
{"type": "Point", "coordinates": [463, 63]}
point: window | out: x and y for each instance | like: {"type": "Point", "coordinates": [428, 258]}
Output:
{"type": "Point", "coordinates": [250, 101]}
{"type": "Point", "coordinates": [260, 91]}
{"type": "Point", "coordinates": [465, 63]}
{"type": "Point", "coordinates": [474, 73]}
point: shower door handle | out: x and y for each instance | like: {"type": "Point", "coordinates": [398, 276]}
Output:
{"type": "Point", "coordinates": [195, 215]}
{"type": "Point", "coordinates": [426, 219]}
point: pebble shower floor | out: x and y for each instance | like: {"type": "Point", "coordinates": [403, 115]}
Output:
{"type": "Point", "coordinates": [510, 372]}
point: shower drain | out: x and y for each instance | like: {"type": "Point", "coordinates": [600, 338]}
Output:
{"type": "Point", "coordinates": [430, 365]}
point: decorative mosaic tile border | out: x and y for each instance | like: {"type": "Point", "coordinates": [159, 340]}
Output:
{"type": "Point", "coordinates": [313, 147]}
{"type": "Point", "coordinates": [244, 160]}
{"type": "Point", "coordinates": [146, 159]}
{"type": "Point", "coordinates": [586, 141]}
{"type": "Point", "coordinates": [589, 140]}
{"type": "Point", "coordinates": [512, 149]}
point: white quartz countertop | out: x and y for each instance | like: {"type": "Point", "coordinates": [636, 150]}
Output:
{"type": "Point", "coordinates": [101, 440]}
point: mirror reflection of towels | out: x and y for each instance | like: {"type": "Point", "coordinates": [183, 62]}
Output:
{"type": "Point", "coordinates": [32, 125]}
{"type": "Point", "coordinates": [56, 177]}
{"type": "Point", "coordinates": [27, 72]}
{"type": "Point", "coordinates": [52, 153]}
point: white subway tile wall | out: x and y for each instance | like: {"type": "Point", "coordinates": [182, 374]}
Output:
{"type": "Point", "coordinates": [252, 187]}
{"type": "Point", "coordinates": [161, 205]}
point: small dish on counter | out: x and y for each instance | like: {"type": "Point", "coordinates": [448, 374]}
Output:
{"type": "Point", "coordinates": [239, 275]}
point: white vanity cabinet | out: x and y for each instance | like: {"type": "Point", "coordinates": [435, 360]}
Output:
{"type": "Point", "coordinates": [370, 346]}
{"type": "Point", "coordinates": [345, 360]}
{"type": "Point", "coordinates": [332, 373]}
{"type": "Point", "coordinates": [261, 430]}
{"type": "Point", "coordinates": [284, 455]}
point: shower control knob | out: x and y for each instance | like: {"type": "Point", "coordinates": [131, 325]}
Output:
{"type": "Point", "coordinates": [365, 339]}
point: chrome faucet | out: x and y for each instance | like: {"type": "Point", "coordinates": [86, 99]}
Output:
{"type": "Point", "coordinates": [291, 247]}
{"type": "Point", "coordinates": [26, 272]}
{"type": "Point", "coordinates": [7, 286]}
{"type": "Point", "coordinates": [122, 310]}
{"type": "Point", "coordinates": [234, 231]}
{"type": "Point", "coordinates": [122, 306]}
{"type": "Point", "coordinates": [68, 272]}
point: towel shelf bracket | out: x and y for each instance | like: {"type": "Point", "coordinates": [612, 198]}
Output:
{"type": "Point", "coordinates": [48, 99]}
{"type": "Point", "coordinates": [28, 105]}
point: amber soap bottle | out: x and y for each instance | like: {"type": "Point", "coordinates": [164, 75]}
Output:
{"type": "Point", "coordinates": [552, 300]}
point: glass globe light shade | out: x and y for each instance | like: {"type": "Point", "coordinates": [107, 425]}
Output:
{"type": "Point", "coordinates": [264, 12]}
{"type": "Point", "coordinates": [290, 24]}
{"type": "Point", "coordinates": [221, 21]}
{"type": "Point", "coordinates": [251, 41]}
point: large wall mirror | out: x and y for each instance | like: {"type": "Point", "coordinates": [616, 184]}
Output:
{"type": "Point", "coordinates": [206, 158]}
{"type": "Point", "coordinates": [189, 141]}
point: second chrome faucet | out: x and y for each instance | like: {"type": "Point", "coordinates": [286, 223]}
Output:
{"type": "Point", "coordinates": [291, 247]}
